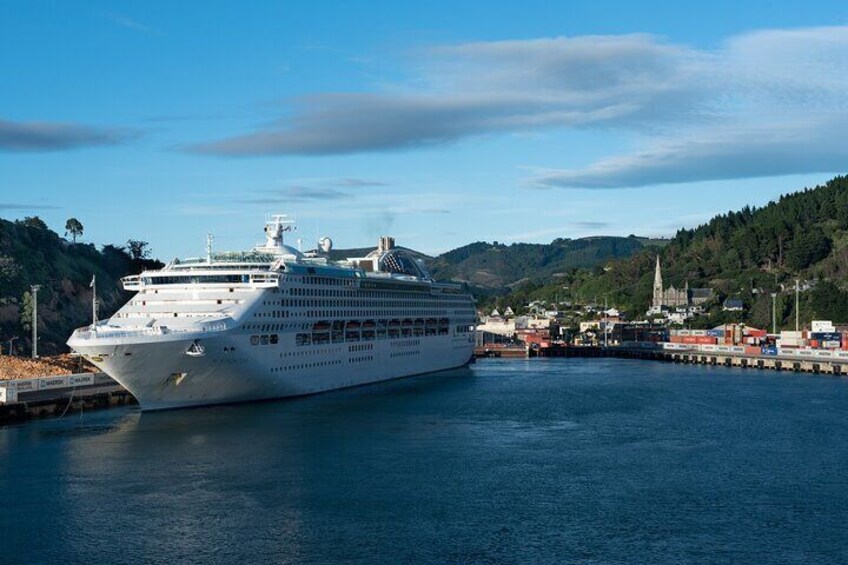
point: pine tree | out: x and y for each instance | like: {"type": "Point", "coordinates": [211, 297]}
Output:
{"type": "Point", "coordinates": [74, 227]}
{"type": "Point", "coordinates": [26, 311]}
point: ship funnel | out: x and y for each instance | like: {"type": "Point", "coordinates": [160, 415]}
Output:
{"type": "Point", "coordinates": [385, 243]}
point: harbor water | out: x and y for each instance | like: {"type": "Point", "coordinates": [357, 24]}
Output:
{"type": "Point", "coordinates": [507, 461]}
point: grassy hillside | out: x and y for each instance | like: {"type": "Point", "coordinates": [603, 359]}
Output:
{"type": "Point", "coordinates": [30, 253]}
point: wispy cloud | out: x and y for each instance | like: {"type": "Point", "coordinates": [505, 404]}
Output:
{"type": "Point", "coordinates": [573, 229]}
{"type": "Point", "coordinates": [359, 183]}
{"type": "Point", "coordinates": [130, 23]}
{"type": "Point", "coordinates": [295, 194]}
{"type": "Point", "coordinates": [762, 103]}
{"type": "Point", "coordinates": [592, 225]}
{"type": "Point", "coordinates": [15, 206]}
{"type": "Point", "coordinates": [56, 136]}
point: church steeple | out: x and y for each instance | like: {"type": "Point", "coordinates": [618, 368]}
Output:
{"type": "Point", "coordinates": [658, 286]}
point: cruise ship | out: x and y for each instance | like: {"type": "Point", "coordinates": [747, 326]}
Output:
{"type": "Point", "coordinates": [276, 322]}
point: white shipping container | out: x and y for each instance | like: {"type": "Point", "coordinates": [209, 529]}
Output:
{"type": "Point", "coordinates": [26, 385]}
{"type": "Point", "coordinates": [791, 334]}
{"type": "Point", "coordinates": [698, 332]}
{"type": "Point", "coordinates": [822, 326]}
{"type": "Point", "coordinates": [52, 382]}
{"type": "Point", "coordinates": [8, 395]}
{"type": "Point", "coordinates": [81, 379]}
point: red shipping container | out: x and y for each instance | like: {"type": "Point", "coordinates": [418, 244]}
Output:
{"type": "Point", "coordinates": [752, 350]}
{"type": "Point", "coordinates": [814, 343]}
{"type": "Point", "coordinates": [697, 339]}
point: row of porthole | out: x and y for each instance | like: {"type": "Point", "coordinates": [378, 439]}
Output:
{"type": "Point", "coordinates": [360, 359]}
{"type": "Point", "coordinates": [407, 343]}
{"type": "Point", "coordinates": [302, 352]}
{"type": "Point", "coordinates": [305, 366]}
{"type": "Point", "coordinates": [405, 353]}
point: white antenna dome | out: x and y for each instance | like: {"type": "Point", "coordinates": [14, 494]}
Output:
{"type": "Point", "coordinates": [325, 244]}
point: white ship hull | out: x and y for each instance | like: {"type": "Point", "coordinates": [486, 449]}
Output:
{"type": "Point", "coordinates": [161, 376]}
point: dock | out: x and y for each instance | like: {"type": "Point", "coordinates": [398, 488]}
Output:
{"type": "Point", "coordinates": [512, 351]}
{"type": "Point", "coordinates": [57, 395]}
{"type": "Point", "coordinates": [816, 365]}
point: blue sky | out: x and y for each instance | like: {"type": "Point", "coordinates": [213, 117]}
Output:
{"type": "Point", "coordinates": [440, 123]}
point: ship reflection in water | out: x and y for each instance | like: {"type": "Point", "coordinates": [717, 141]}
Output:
{"type": "Point", "coordinates": [507, 461]}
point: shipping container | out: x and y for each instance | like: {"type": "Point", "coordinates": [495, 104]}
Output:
{"type": "Point", "coordinates": [715, 333]}
{"type": "Point", "coordinates": [821, 326]}
{"type": "Point", "coordinates": [826, 336]}
{"type": "Point", "coordinates": [693, 339]}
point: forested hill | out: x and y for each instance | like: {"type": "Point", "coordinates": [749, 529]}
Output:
{"type": "Point", "coordinates": [494, 265]}
{"type": "Point", "coordinates": [31, 253]}
{"type": "Point", "coordinates": [747, 254]}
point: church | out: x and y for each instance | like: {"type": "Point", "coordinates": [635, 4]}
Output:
{"type": "Point", "coordinates": [674, 297]}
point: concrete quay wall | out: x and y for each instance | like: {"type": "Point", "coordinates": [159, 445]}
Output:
{"type": "Point", "coordinates": [55, 395]}
{"type": "Point", "coordinates": [771, 362]}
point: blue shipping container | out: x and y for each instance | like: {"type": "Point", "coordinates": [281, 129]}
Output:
{"type": "Point", "coordinates": [715, 333]}
{"type": "Point", "coordinates": [770, 350]}
{"type": "Point", "coordinates": [826, 336]}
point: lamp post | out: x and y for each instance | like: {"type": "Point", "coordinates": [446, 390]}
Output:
{"type": "Point", "coordinates": [797, 290]}
{"type": "Point", "coordinates": [35, 288]}
{"type": "Point", "coordinates": [774, 313]}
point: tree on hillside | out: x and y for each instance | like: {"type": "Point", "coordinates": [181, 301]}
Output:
{"type": "Point", "coordinates": [26, 311]}
{"type": "Point", "coordinates": [34, 222]}
{"type": "Point", "coordinates": [808, 248]}
{"type": "Point", "coordinates": [74, 227]}
{"type": "Point", "coordinates": [138, 250]}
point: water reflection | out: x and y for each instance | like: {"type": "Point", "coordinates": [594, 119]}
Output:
{"type": "Point", "coordinates": [510, 461]}
{"type": "Point", "coordinates": [186, 482]}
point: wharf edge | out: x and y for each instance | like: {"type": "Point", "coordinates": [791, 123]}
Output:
{"type": "Point", "coordinates": [55, 395]}
{"type": "Point", "coordinates": [717, 358]}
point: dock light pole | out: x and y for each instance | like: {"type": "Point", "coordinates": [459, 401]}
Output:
{"type": "Point", "coordinates": [797, 290]}
{"type": "Point", "coordinates": [774, 313]}
{"type": "Point", "coordinates": [35, 288]}
{"type": "Point", "coordinates": [93, 286]}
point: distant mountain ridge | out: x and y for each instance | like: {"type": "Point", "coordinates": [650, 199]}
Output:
{"type": "Point", "coordinates": [497, 266]}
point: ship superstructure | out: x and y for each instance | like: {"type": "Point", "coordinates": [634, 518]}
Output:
{"type": "Point", "coordinates": [275, 322]}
